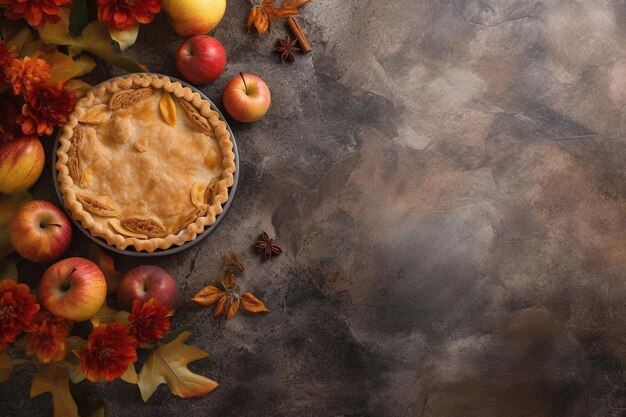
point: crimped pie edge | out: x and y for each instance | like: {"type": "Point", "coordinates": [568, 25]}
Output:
{"type": "Point", "coordinates": [181, 92]}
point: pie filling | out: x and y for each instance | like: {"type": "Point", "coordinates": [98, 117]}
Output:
{"type": "Point", "coordinates": [145, 162]}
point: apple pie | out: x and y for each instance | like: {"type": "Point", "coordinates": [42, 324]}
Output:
{"type": "Point", "coordinates": [145, 162]}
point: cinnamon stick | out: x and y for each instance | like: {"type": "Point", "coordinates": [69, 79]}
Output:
{"type": "Point", "coordinates": [295, 27]}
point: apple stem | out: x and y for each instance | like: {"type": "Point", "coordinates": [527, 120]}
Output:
{"type": "Point", "coordinates": [244, 82]}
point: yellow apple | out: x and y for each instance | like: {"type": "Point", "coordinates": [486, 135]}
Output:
{"type": "Point", "coordinates": [21, 163]}
{"type": "Point", "coordinates": [194, 17]}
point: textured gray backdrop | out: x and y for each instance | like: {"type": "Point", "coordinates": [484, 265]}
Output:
{"type": "Point", "coordinates": [448, 182]}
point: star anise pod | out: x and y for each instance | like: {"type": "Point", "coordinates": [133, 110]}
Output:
{"type": "Point", "coordinates": [228, 298]}
{"type": "Point", "coordinates": [287, 48]}
{"type": "Point", "coordinates": [266, 245]}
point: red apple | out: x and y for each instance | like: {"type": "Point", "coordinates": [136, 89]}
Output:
{"type": "Point", "coordinates": [21, 163]}
{"type": "Point", "coordinates": [246, 98]}
{"type": "Point", "coordinates": [146, 282]}
{"type": "Point", "coordinates": [73, 288]}
{"type": "Point", "coordinates": [39, 231]}
{"type": "Point", "coordinates": [201, 59]}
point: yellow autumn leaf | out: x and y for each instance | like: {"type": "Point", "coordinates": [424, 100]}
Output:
{"type": "Point", "coordinates": [168, 108]}
{"type": "Point", "coordinates": [54, 378]}
{"type": "Point", "coordinates": [63, 68]}
{"type": "Point", "coordinates": [6, 366]}
{"type": "Point", "coordinates": [125, 38]}
{"type": "Point", "coordinates": [95, 38]}
{"type": "Point", "coordinates": [107, 314]}
{"type": "Point", "coordinates": [130, 375]}
{"type": "Point", "coordinates": [79, 86]}
{"type": "Point", "coordinates": [167, 364]}
{"type": "Point", "coordinates": [106, 263]}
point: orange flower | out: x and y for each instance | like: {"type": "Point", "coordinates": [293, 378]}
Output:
{"type": "Point", "coordinates": [35, 12]}
{"type": "Point", "coordinates": [26, 74]}
{"type": "Point", "coordinates": [46, 337]}
{"type": "Point", "coordinates": [148, 321]}
{"type": "Point", "coordinates": [47, 106]}
{"type": "Point", "coordinates": [110, 350]}
{"type": "Point", "coordinates": [122, 14]}
{"type": "Point", "coordinates": [17, 308]}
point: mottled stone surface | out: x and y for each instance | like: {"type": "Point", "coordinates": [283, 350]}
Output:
{"type": "Point", "coordinates": [448, 181]}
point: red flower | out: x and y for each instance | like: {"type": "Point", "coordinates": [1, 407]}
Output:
{"type": "Point", "coordinates": [35, 12]}
{"type": "Point", "coordinates": [46, 339]}
{"type": "Point", "coordinates": [148, 321]}
{"type": "Point", "coordinates": [17, 308]}
{"type": "Point", "coordinates": [110, 351]}
{"type": "Point", "coordinates": [47, 106]}
{"type": "Point", "coordinates": [26, 74]}
{"type": "Point", "coordinates": [122, 14]}
{"type": "Point", "coordinates": [9, 109]}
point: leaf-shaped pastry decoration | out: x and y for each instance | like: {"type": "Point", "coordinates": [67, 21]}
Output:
{"type": "Point", "coordinates": [6, 366]}
{"type": "Point", "coordinates": [84, 179]}
{"type": "Point", "coordinates": [125, 98]}
{"type": "Point", "coordinates": [54, 378]}
{"type": "Point", "coordinates": [197, 194]}
{"type": "Point", "coordinates": [168, 108]}
{"type": "Point", "coordinates": [117, 226]}
{"type": "Point", "coordinates": [96, 115]}
{"type": "Point", "coordinates": [144, 225]}
{"type": "Point", "coordinates": [197, 120]}
{"type": "Point", "coordinates": [99, 205]}
{"type": "Point", "coordinates": [106, 263]}
{"type": "Point", "coordinates": [211, 191]}
{"type": "Point", "coordinates": [167, 364]}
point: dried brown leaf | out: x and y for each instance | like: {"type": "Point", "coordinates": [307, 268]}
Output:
{"type": "Point", "coordinates": [208, 295]}
{"type": "Point", "coordinates": [219, 308]}
{"type": "Point", "coordinates": [261, 16]}
{"type": "Point", "coordinates": [232, 309]}
{"type": "Point", "coordinates": [252, 304]}
{"type": "Point", "coordinates": [233, 261]}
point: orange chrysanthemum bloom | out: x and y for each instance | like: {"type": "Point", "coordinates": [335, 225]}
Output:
{"type": "Point", "coordinates": [35, 12]}
{"type": "Point", "coordinates": [47, 106]}
{"type": "Point", "coordinates": [110, 350]}
{"type": "Point", "coordinates": [148, 321]}
{"type": "Point", "coordinates": [26, 74]}
{"type": "Point", "coordinates": [122, 14]}
{"type": "Point", "coordinates": [46, 337]}
{"type": "Point", "coordinates": [17, 308]}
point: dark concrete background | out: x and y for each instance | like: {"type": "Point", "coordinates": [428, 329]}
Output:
{"type": "Point", "coordinates": [447, 179]}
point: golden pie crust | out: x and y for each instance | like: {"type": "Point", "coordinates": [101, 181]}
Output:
{"type": "Point", "coordinates": [135, 177]}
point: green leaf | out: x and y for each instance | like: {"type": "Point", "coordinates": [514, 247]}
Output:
{"type": "Point", "coordinates": [125, 38]}
{"type": "Point", "coordinates": [6, 367]}
{"type": "Point", "coordinates": [95, 38]}
{"type": "Point", "coordinates": [78, 17]}
{"type": "Point", "coordinates": [8, 269]}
